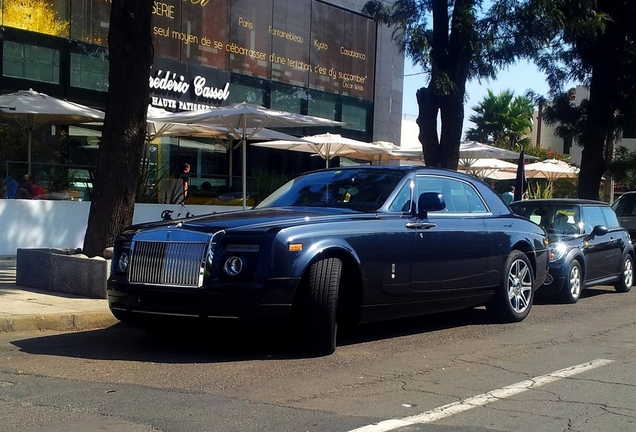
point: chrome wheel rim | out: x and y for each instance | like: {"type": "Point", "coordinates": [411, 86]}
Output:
{"type": "Point", "coordinates": [575, 282]}
{"type": "Point", "coordinates": [519, 286]}
{"type": "Point", "coordinates": [628, 273]}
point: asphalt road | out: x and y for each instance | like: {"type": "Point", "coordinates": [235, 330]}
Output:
{"type": "Point", "coordinates": [447, 372]}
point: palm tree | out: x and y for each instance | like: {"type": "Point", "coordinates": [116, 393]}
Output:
{"type": "Point", "coordinates": [503, 120]}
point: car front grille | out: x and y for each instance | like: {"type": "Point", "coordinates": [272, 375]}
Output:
{"type": "Point", "coordinates": [168, 263]}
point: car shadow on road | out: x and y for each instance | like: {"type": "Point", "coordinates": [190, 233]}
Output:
{"type": "Point", "coordinates": [226, 343]}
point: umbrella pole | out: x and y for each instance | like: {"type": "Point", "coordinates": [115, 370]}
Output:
{"type": "Point", "coordinates": [244, 155]}
{"type": "Point", "coordinates": [244, 144]}
{"type": "Point", "coordinates": [231, 151]}
{"type": "Point", "coordinates": [29, 152]}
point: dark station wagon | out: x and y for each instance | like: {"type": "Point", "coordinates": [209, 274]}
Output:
{"type": "Point", "coordinates": [588, 247]}
{"type": "Point", "coordinates": [625, 209]}
{"type": "Point", "coordinates": [335, 247]}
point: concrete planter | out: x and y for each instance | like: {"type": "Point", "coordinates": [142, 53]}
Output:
{"type": "Point", "coordinates": [62, 270]}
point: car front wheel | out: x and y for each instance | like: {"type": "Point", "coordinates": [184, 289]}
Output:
{"type": "Point", "coordinates": [320, 307]}
{"type": "Point", "coordinates": [626, 279]}
{"type": "Point", "coordinates": [571, 291]}
{"type": "Point", "coordinates": [513, 300]}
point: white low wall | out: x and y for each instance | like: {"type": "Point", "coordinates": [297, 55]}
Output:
{"type": "Point", "coordinates": [62, 224]}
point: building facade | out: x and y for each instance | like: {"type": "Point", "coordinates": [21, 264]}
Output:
{"type": "Point", "coordinates": [320, 58]}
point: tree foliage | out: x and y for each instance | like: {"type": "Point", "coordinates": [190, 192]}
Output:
{"type": "Point", "coordinates": [593, 45]}
{"type": "Point", "coordinates": [35, 15]}
{"type": "Point", "coordinates": [454, 41]}
{"type": "Point", "coordinates": [124, 132]}
{"type": "Point", "coordinates": [502, 120]}
{"type": "Point", "coordinates": [623, 168]}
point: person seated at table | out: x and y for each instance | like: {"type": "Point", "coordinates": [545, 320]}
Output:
{"type": "Point", "coordinates": [35, 190]}
{"type": "Point", "coordinates": [8, 186]}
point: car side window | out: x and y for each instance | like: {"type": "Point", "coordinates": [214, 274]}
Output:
{"type": "Point", "coordinates": [611, 221]}
{"type": "Point", "coordinates": [402, 201]}
{"type": "Point", "coordinates": [592, 216]}
{"type": "Point", "coordinates": [460, 197]}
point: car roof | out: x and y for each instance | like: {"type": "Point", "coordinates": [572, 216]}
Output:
{"type": "Point", "coordinates": [404, 169]}
{"type": "Point", "coordinates": [560, 201]}
{"type": "Point", "coordinates": [628, 194]}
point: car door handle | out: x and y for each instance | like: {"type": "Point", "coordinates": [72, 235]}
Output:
{"type": "Point", "coordinates": [425, 225]}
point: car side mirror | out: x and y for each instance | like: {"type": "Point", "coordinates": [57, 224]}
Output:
{"type": "Point", "coordinates": [429, 201]}
{"type": "Point", "coordinates": [599, 230]}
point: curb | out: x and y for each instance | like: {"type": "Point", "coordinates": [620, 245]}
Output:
{"type": "Point", "coordinates": [58, 322]}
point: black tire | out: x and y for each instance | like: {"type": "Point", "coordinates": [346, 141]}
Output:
{"type": "Point", "coordinates": [320, 307]}
{"type": "Point", "coordinates": [573, 284]}
{"type": "Point", "coordinates": [626, 280]}
{"type": "Point", "coordinates": [513, 300]}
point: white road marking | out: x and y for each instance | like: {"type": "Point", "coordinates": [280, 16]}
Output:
{"type": "Point", "coordinates": [482, 399]}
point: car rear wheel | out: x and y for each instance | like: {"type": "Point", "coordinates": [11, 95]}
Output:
{"type": "Point", "coordinates": [320, 307]}
{"type": "Point", "coordinates": [513, 300]}
{"type": "Point", "coordinates": [626, 280]}
{"type": "Point", "coordinates": [571, 291]}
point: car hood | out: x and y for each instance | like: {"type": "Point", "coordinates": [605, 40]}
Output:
{"type": "Point", "coordinates": [257, 219]}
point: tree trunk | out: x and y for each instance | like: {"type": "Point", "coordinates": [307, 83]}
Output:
{"type": "Point", "coordinates": [451, 54]}
{"type": "Point", "coordinates": [427, 121]}
{"type": "Point", "coordinates": [452, 115]}
{"type": "Point", "coordinates": [123, 134]}
{"type": "Point", "coordinates": [599, 126]}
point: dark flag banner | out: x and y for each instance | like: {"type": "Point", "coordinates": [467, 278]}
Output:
{"type": "Point", "coordinates": [521, 184]}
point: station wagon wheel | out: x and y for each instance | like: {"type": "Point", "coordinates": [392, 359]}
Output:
{"type": "Point", "coordinates": [513, 300]}
{"type": "Point", "coordinates": [320, 306]}
{"type": "Point", "coordinates": [626, 280]}
{"type": "Point", "coordinates": [573, 284]}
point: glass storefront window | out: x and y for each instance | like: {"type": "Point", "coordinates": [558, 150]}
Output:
{"type": "Point", "coordinates": [31, 62]}
{"type": "Point", "coordinates": [89, 72]}
{"type": "Point", "coordinates": [90, 21]}
{"type": "Point", "coordinates": [355, 116]}
{"type": "Point", "coordinates": [41, 16]}
{"type": "Point", "coordinates": [323, 105]}
{"type": "Point", "coordinates": [287, 98]}
{"type": "Point", "coordinates": [247, 91]}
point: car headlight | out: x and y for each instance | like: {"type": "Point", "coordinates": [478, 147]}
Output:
{"type": "Point", "coordinates": [122, 263]}
{"type": "Point", "coordinates": [558, 251]}
{"type": "Point", "coordinates": [121, 258]}
{"type": "Point", "coordinates": [233, 266]}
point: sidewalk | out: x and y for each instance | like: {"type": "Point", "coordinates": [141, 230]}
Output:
{"type": "Point", "coordinates": [28, 309]}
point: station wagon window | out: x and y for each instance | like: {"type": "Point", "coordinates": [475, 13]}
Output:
{"type": "Point", "coordinates": [460, 196]}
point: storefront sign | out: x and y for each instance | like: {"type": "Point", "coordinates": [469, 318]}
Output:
{"type": "Point", "coordinates": [174, 86]}
{"type": "Point", "coordinates": [304, 43]}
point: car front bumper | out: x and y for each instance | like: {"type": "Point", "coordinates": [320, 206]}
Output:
{"type": "Point", "coordinates": [250, 303]}
{"type": "Point", "coordinates": [555, 280]}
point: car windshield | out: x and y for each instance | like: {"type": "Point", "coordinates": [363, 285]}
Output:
{"type": "Point", "coordinates": [356, 189]}
{"type": "Point", "coordinates": [555, 219]}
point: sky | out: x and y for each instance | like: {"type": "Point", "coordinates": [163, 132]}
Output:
{"type": "Point", "coordinates": [518, 78]}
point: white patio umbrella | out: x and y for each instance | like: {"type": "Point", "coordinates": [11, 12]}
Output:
{"type": "Point", "coordinates": [327, 146]}
{"type": "Point", "coordinates": [158, 124]}
{"type": "Point", "coordinates": [471, 151]}
{"type": "Point", "coordinates": [487, 167]}
{"type": "Point", "coordinates": [383, 152]}
{"type": "Point", "coordinates": [551, 169]}
{"type": "Point", "coordinates": [241, 117]}
{"type": "Point", "coordinates": [31, 109]}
